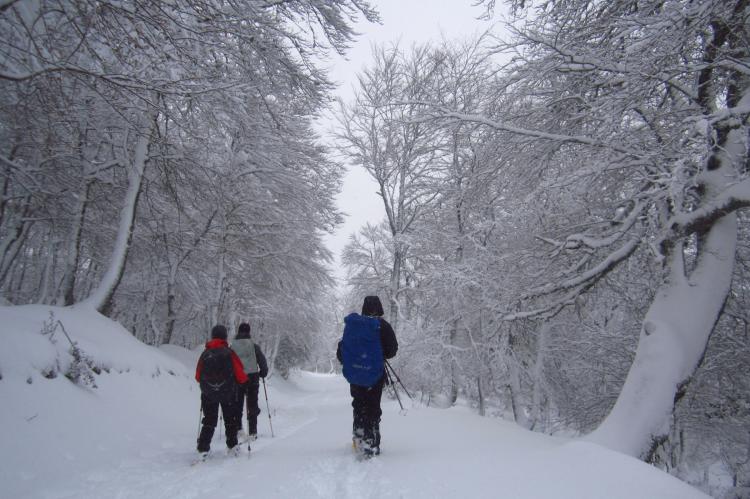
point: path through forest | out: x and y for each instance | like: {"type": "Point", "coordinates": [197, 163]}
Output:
{"type": "Point", "coordinates": [427, 453]}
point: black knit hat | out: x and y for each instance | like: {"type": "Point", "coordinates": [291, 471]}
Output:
{"type": "Point", "coordinates": [219, 332]}
{"type": "Point", "coordinates": [243, 331]}
{"type": "Point", "coordinates": [372, 306]}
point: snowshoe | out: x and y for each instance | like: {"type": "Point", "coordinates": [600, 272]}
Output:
{"type": "Point", "coordinates": [234, 451]}
{"type": "Point", "coordinates": [202, 457]}
{"type": "Point", "coordinates": [363, 450]}
{"type": "Point", "coordinates": [364, 454]}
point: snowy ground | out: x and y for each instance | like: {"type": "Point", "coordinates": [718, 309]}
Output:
{"type": "Point", "coordinates": [134, 435]}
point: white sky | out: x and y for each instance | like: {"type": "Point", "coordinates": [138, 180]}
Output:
{"type": "Point", "coordinates": [408, 22]}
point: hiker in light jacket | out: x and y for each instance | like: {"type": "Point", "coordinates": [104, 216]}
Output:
{"type": "Point", "coordinates": [256, 367]}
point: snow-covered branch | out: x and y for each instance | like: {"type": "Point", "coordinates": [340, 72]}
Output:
{"type": "Point", "coordinates": [577, 240]}
{"type": "Point", "coordinates": [592, 274]}
{"type": "Point", "coordinates": [444, 113]}
{"type": "Point", "coordinates": [701, 219]}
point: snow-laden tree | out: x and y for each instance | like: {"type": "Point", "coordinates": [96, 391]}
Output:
{"type": "Point", "coordinates": [368, 259]}
{"type": "Point", "coordinates": [396, 150]}
{"type": "Point", "coordinates": [454, 194]}
{"type": "Point", "coordinates": [580, 229]}
{"type": "Point", "coordinates": [456, 229]}
{"type": "Point", "coordinates": [641, 108]}
{"type": "Point", "coordinates": [176, 139]}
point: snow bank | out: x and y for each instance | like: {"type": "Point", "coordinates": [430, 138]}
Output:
{"type": "Point", "coordinates": [53, 430]}
{"type": "Point", "coordinates": [27, 353]}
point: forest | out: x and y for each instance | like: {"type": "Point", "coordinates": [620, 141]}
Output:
{"type": "Point", "coordinates": [565, 242]}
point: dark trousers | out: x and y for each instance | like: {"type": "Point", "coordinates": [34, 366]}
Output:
{"type": "Point", "coordinates": [231, 410]}
{"type": "Point", "coordinates": [367, 412]}
{"type": "Point", "coordinates": [249, 392]}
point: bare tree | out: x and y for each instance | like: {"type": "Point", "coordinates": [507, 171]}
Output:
{"type": "Point", "coordinates": [380, 133]}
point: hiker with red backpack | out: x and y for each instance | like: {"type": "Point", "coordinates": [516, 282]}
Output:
{"type": "Point", "coordinates": [256, 367]}
{"type": "Point", "coordinates": [220, 374]}
{"type": "Point", "coordinates": [368, 340]}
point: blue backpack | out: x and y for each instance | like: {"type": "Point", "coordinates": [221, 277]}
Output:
{"type": "Point", "coordinates": [361, 350]}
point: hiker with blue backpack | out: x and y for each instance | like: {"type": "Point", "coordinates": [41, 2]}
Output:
{"type": "Point", "coordinates": [368, 341]}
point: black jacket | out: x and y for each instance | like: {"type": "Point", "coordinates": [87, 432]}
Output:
{"type": "Point", "coordinates": [387, 341]}
{"type": "Point", "coordinates": [262, 363]}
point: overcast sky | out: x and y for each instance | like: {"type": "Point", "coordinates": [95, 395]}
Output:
{"type": "Point", "coordinates": [408, 22]}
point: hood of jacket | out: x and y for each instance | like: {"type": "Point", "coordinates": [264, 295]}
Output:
{"type": "Point", "coordinates": [216, 343]}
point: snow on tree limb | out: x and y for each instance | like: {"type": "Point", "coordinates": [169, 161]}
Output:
{"type": "Point", "coordinates": [444, 113]}
{"type": "Point", "coordinates": [700, 220]}
{"type": "Point", "coordinates": [592, 274]}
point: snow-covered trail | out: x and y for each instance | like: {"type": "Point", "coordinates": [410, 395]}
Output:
{"type": "Point", "coordinates": [133, 435]}
{"type": "Point", "coordinates": [427, 453]}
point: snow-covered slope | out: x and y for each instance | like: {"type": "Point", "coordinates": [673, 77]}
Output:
{"type": "Point", "coordinates": [57, 435]}
{"type": "Point", "coordinates": [133, 436]}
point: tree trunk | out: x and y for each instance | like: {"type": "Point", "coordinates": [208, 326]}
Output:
{"type": "Point", "coordinates": [216, 308]}
{"type": "Point", "coordinates": [66, 296]}
{"type": "Point", "coordinates": [453, 394]}
{"type": "Point", "coordinates": [274, 353]}
{"type": "Point", "coordinates": [50, 262]}
{"type": "Point", "coordinates": [537, 395]}
{"type": "Point", "coordinates": [673, 339]}
{"type": "Point", "coordinates": [679, 322]}
{"type": "Point", "coordinates": [169, 326]}
{"type": "Point", "coordinates": [174, 269]}
{"type": "Point", "coordinates": [16, 232]}
{"type": "Point", "coordinates": [101, 297]}
{"type": "Point", "coordinates": [394, 285]}
{"type": "Point", "coordinates": [480, 396]}
{"type": "Point", "coordinates": [519, 413]}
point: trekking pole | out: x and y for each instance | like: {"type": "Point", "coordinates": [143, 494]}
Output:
{"type": "Point", "coordinates": [200, 420]}
{"type": "Point", "coordinates": [393, 387]}
{"type": "Point", "coordinates": [389, 366]}
{"type": "Point", "coordinates": [268, 408]}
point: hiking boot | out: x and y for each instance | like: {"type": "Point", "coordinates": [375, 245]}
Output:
{"type": "Point", "coordinates": [234, 451]}
{"type": "Point", "coordinates": [252, 437]}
